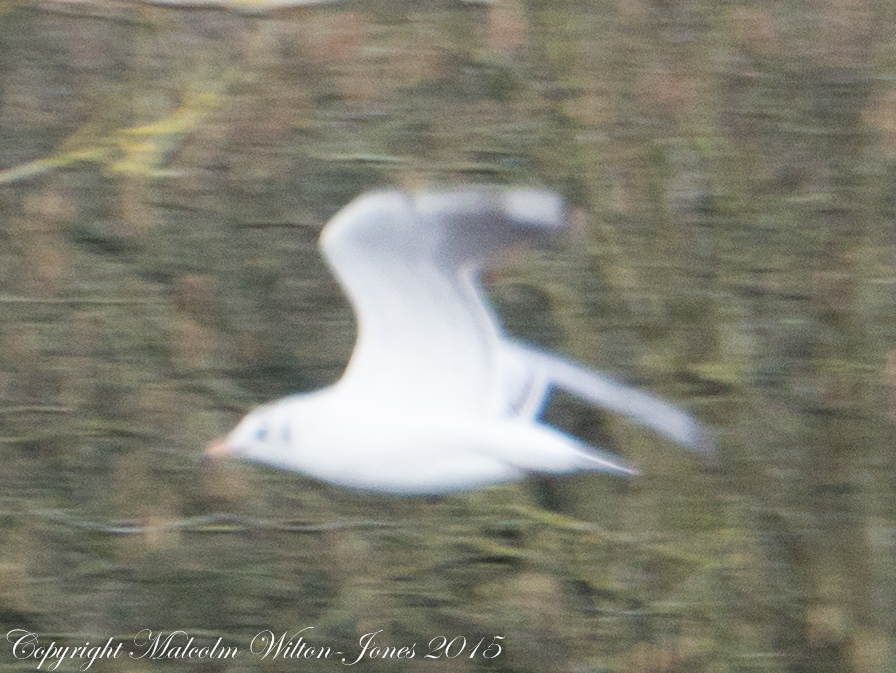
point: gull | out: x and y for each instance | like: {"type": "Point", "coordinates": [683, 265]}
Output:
{"type": "Point", "coordinates": [436, 397]}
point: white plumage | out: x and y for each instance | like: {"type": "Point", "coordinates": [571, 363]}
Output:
{"type": "Point", "coordinates": [435, 397]}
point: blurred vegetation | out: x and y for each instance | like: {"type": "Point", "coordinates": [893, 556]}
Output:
{"type": "Point", "coordinates": [730, 169]}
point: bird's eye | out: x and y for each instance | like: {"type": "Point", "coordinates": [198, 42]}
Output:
{"type": "Point", "coordinates": [261, 434]}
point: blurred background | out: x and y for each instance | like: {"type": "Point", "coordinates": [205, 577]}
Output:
{"type": "Point", "coordinates": [730, 172]}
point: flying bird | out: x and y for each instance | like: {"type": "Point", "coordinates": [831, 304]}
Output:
{"type": "Point", "coordinates": [436, 397]}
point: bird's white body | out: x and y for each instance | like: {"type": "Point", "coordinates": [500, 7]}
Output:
{"type": "Point", "coordinates": [373, 447]}
{"type": "Point", "coordinates": [435, 397]}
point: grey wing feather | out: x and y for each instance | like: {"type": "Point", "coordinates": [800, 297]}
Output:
{"type": "Point", "coordinates": [548, 370]}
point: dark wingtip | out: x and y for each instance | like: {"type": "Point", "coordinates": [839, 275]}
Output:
{"type": "Point", "coordinates": [706, 448]}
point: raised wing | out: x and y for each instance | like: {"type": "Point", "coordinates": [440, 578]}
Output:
{"type": "Point", "coordinates": [408, 263]}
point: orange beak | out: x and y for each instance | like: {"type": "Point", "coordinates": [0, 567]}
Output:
{"type": "Point", "coordinates": [218, 448]}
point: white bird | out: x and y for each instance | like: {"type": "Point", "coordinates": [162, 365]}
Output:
{"type": "Point", "coordinates": [436, 398]}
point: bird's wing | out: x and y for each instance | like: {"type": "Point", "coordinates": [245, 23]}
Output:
{"type": "Point", "coordinates": [427, 336]}
{"type": "Point", "coordinates": [408, 263]}
{"type": "Point", "coordinates": [534, 372]}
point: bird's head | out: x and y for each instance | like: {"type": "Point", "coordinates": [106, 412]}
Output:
{"type": "Point", "coordinates": [264, 436]}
